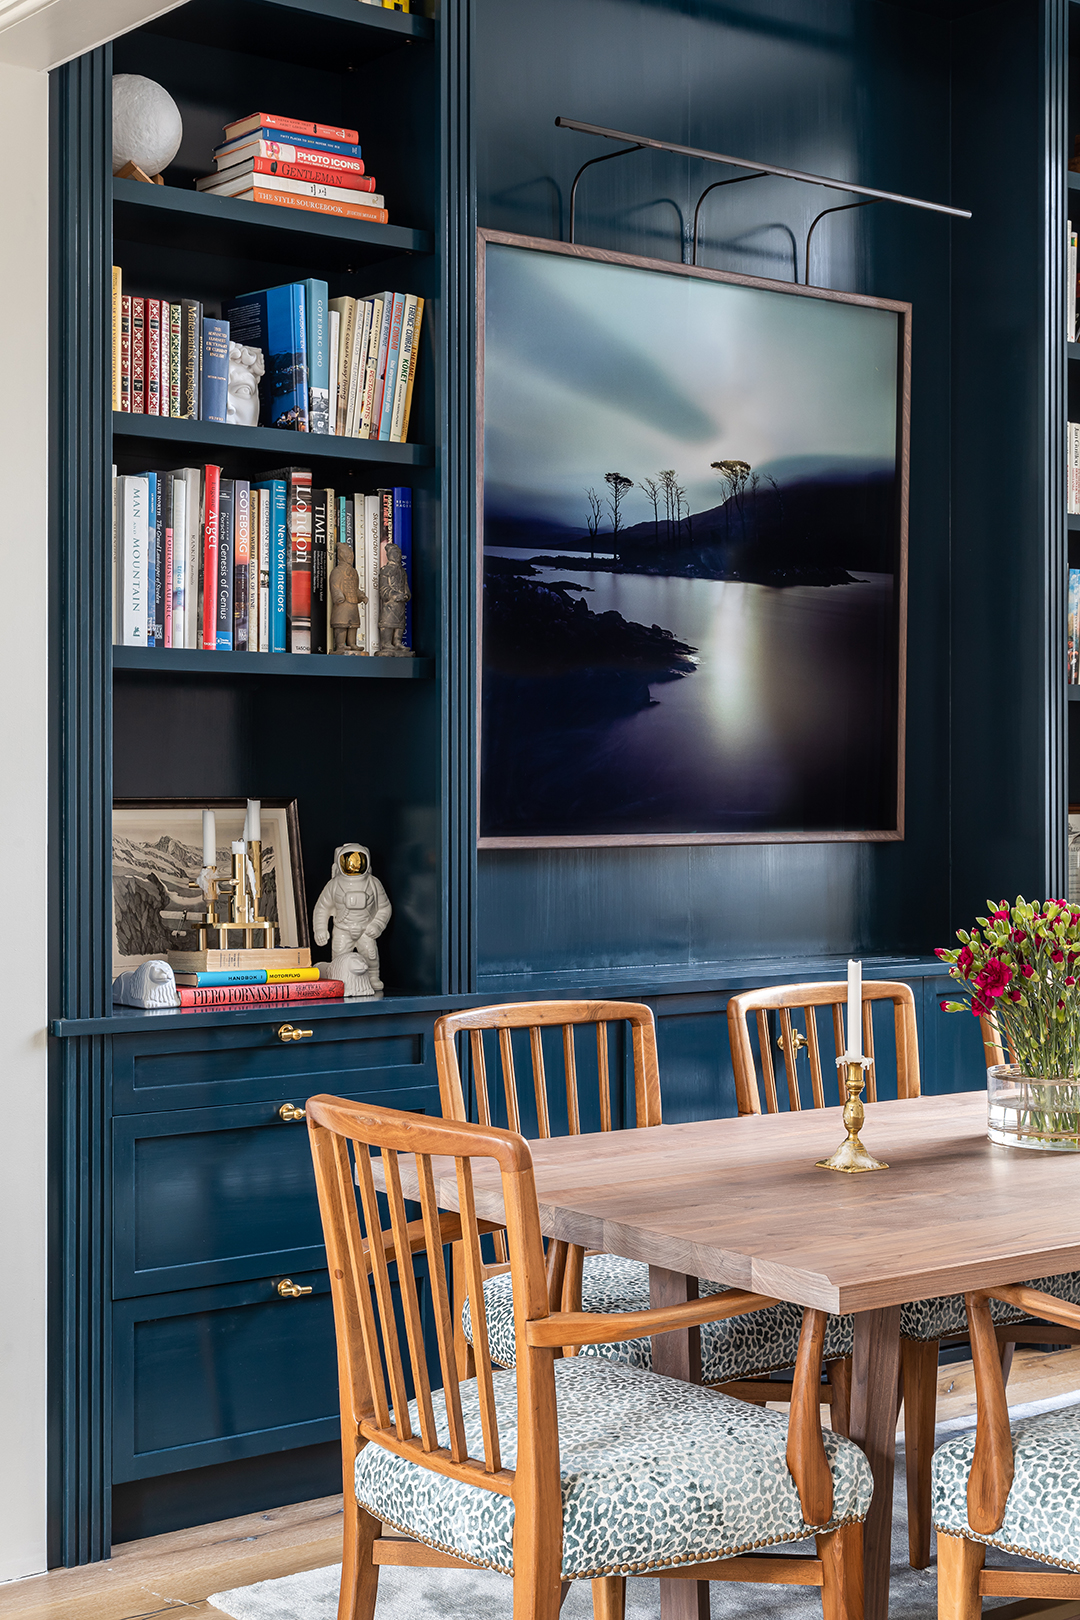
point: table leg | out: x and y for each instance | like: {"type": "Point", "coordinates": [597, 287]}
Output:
{"type": "Point", "coordinates": [874, 1372]}
{"type": "Point", "coordinates": [678, 1355]}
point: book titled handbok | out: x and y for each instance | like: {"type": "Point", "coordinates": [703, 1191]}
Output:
{"type": "Point", "coordinates": [274, 320]}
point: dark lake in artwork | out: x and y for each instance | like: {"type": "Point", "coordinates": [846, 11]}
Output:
{"type": "Point", "coordinates": [780, 721]}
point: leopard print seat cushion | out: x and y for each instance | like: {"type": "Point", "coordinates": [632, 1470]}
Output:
{"type": "Point", "coordinates": [1042, 1515]}
{"type": "Point", "coordinates": [743, 1346]}
{"type": "Point", "coordinates": [655, 1472]}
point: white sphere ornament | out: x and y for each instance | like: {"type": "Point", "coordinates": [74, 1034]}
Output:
{"type": "Point", "coordinates": [147, 127]}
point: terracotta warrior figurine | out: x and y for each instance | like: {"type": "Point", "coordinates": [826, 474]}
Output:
{"type": "Point", "coordinates": [346, 596]}
{"type": "Point", "coordinates": [394, 594]}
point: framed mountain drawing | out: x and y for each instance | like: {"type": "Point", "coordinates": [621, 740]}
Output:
{"type": "Point", "coordinates": [692, 549]}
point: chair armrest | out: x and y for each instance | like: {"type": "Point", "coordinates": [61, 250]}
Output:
{"type": "Point", "coordinates": [594, 1327]}
{"type": "Point", "coordinates": [449, 1232]}
{"type": "Point", "coordinates": [1035, 1302]}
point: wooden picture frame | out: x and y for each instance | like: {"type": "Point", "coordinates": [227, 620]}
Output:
{"type": "Point", "coordinates": [890, 827]}
{"type": "Point", "coordinates": [143, 874]}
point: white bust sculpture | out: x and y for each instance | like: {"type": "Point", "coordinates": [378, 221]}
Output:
{"type": "Point", "coordinates": [150, 985]}
{"type": "Point", "coordinates": [356, 902]}
{"type": "Point", "coordinates": [246, 368]}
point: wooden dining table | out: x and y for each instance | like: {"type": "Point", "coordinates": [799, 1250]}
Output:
{"type": "Point", "coordinates": [742, 1202]}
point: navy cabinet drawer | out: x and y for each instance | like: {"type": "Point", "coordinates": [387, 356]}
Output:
{"type": "Point", "coordinates": [213, 1375]}
{"type": "Point", "coordinates": [202, 1067]}
{"type": "Point", "coordinates": [215, 1195]}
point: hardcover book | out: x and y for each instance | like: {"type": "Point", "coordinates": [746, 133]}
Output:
{"type": "Point", "coordinates": [381, 356]}
{"type": "Point", "coordinates": [361, 336]}
{"type": "Point", "coordinates": [125, 353]}
{"type": "Point", "coordinates": [165, 362]}
{"type": "Point", "coordinates": [154, 546]}
{"type": "Point", "coordinates": [226, 152]}
{"type": "Point", "coordinates": [192, 477]}
{"type": "Point", "coordinates": [274, 321]}
{"type": "Point", "coordinates": [153, 357]}
{"type": "Point", "coordinates": [371, 367]}
{"type": "Point", "coordinates": [277, 523]}
{"type": "Point", "coordinates": [298, 586]}
{"type": "Point", "coordinates": [313, 205]}
{"type": "Point", "coordinates": [254, 975]}
{"type": "Point", "coordinates": [117, 313]}
{"type": "Point", "coordinates": [335, 333]}
{"type": "Point", "coordinates": [393, 355]}
{"type": "Point", "coordinates": [138, 355]}
{"type": "Point", "coordinates": [401, 380]}
{"type": "Point", "coordinates": [178, 492]}
{"type": "Point", "coordinates": [255, 995]}
{"type": "Point", "coordinates": [175, 358]}
{"type": "Point", "coordinates": [227, 184]}
{"type": "Point", "coordinates": [241, 564]}
{"type": "Point", "coordinates": [342, 181]}
{"type": "Point", "coordinates": [320, 545]}
{"type": "Point", "coordinates": [308, 157]}
{"type": "Point", "coordinates": [214, 379]}
{"type": "Point", "coordinates": [263, 498]}
{"type": "Point", "coordinates": [217, 961]}
{"type": "Point", "coordinates": [211, 494]}
{"type": "Point", "coordinates": [165, 484]}
{"type": "Point", "coordinates": [403, 539]}
{"type": "Point", "coordinates": [404, 434]}
{"type": "Point", "coordinates": [317, 336]}
{"type": "Point", "coordinates": [372, 534]}
{"type": "Point", "coordinates": [226, 540]}
{"type": "Point", "coordinates": [190, 357]}
{"type": "Point", "coordinates": [291, 126]}
{"type": "Point", "coordinates": [345, 310]}
{"type": "Point", "coordinates": [132, 548]}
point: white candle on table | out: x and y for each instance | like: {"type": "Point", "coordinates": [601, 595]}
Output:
{"type": "Point", "coordinates": [209, 839]}
{"type": "Point", "coordinates": [854, 1009]}
{"type": "Point", "coordinates": [253, 827]}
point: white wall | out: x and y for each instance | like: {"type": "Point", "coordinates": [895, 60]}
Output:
{"type": "Point", "coordinates": [23, 696]}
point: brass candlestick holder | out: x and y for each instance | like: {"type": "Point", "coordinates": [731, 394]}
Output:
{"type": "Point", "coordinates": [232, 908]}
{"type": "Point", "coordinates": [851, 1156]}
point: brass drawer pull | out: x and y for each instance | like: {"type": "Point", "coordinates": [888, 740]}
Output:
{"type": "Point", "coordinates": [287, 1112]}
{"type": "Point", "coordinates": [290, 1290]}
{"type": "Point", "coordinates": [289, 1032]}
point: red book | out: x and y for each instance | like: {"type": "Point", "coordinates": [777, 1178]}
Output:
{"type": "Point", "coordinates": [313, 205]}
{"type": "Point", "coordinates": [153, 357]}
{"type": "Point", "coordinates": [211, 513]}
{"type": "Point", "coordinates": [252, 995]}
{"type": "Point", "coordinates": [315, 174]}
{"type": "Point", "coordinates": [292, 126]}
{"type": "Point", "coordinates": [138, 354]}
{"type": "Point", "coordinates": [125, 353]}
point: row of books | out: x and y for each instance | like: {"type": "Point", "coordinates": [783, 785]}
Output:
{"type": "Point", "coordinates": [317, 167]}
{"type": "Point", "coordinates": [201, 561]}
{"type": "Point", "coordinates": [284, 357]}
{"type": "Point", "coordinates": [1074, 628]}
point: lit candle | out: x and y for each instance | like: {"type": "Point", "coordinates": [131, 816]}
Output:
{"type": "Point", "coordinates": [209, 839]}
{"type": "Point", "coordinates": [253, 825]}
{"type": "Point", "coordinates": [854, 1009]}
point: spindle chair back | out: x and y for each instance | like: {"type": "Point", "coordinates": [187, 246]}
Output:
{"type": "Point", "coordinates": [826, 1087]}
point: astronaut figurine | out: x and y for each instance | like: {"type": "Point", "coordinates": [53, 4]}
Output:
{"type": "Point", "coordinates": [357, 902]}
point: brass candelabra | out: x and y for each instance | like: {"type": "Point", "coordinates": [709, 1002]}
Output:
{"type": "Point", "coordinates": [851, 1156]}
{"type": "Point", "coordinates": [234, 906]}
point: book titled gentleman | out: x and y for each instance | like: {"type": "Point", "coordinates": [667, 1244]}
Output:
{"type": "Point", "coordinates": [214, 380]}
{"type": "Point", "coordinates": [324, 170]}
{"type": "Point", "coordinates": [297, 481]}
{"type": "Point", "coordinates": [274, 320]}
{"type": "Point", "coordinates": [191, 319]}
{"type": "Point", "coordinates": [211, 498]}
{"type": "Point", "coordinates": [153, 357]}
{"type": "Point", "coordinates": [254, 995]}
{"type": "Point", "coordinates": [138, 355]}
{"type": "Point", "coordinates": [226, 539]}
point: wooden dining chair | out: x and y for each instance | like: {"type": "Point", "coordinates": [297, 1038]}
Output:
{"type": "Point", "coordinates": [564, 1469]}
{"type": "Point", "coordinates": [1016, 1489]}
{"type": "Point", "coordinates": [559, 1099]}
{"type": "Point", "coordinates": [789, 1015]}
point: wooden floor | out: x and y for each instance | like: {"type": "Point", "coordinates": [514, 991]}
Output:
{"type": "Point", "coordinates": [175, 1573]}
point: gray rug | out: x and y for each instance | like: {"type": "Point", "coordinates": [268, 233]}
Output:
{"type": "Point", "coordinates": [455, 1594]}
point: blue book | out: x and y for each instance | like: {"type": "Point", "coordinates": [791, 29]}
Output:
{"type": "Point", "coordinates": [154, 636]}
{"type": "Point", "coordinates": [214, 370]}
{"type": "Point", "coordinates": [279, 552]}
{"type": "Point", "coordinates": [274, 321]}
{"type": "Point", "coordinates": [317, 333]}
{"type": "Point", "coordinates": [403, 540]}
{"type": "Point", "coordinates": [282, 137]}
{"type": "Point", "coordinates": [393, 356]}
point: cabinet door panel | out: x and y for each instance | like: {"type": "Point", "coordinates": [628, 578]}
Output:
{"type": "Point", "coordinates": [236, 1063]}
{"type": "Point", "coordinates": [214, 1195]}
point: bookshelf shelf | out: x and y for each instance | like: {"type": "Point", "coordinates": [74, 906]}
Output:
{"type": "Point", "coordinates": [1073, 349]}
{"type": "Point", "coordinates": [1074, 694]}
{"type": "Point", "coordinates": [167, 217]}
{"type": "Point", "coordinates": [311, 33]}
{"type": "Point", "coordinates": [177, 435]}
{"type": "Point", "coordinates": [1073, 523]}
{"type": "Point", "coordinates": [180, 661]}
{"type": "Point", "coordinates": [1073, 178]}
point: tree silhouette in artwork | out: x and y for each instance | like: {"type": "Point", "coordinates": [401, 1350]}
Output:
{"type": "Point", "coordinates": [619, 487]}
{"type": "Point", "coordinates": [594, 519]}
{"type": "Point", "coordinates": [653, 493]}
{"type": "Point", "coordinates": [667, 488]}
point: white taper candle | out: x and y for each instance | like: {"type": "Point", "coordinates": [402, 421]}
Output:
{"type": "Point", "coordinates": [854, 1009]}
{"type": "Point", "coordinates": [209, 839]}
{"type": "Point", "coordinates": [253, 828]}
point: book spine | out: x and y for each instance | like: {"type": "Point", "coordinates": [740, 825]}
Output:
{"type": "Point", "coordinates": [371, 369]}
{"type": "Point", "coordinates": [254, 510]}
{"type": "Point", "coordinates": [292, 126]}
{"type": "Point", "coordinates": [269, 143]}
{"type": "Point", "coordinates": [190, 357]}
{"type": "Point", "coordinates": [372, 526]}
{"type": "Point", "coordinates": [322, 160]}
{"type": "Point", "coordinates": [412, 371]}
{"type": "Point", "coordinates": [403, 541]}
{"type": "Point", "coordinates": [155, 549]}
{"type": "Point", "coordinates": [117, 320]}
{"type": "Point", "coordinates": [125, 353]}
{"type": "Point", "coordinates": [179, 491]}
{"type": "Point", "coordinates": [325, 169]}
{"type": "Point", "coordinates": [223, 637]}
{"type": "Point", "coordinates": [386, 536]}
{"type": "Point", "coordinates": [314, 205]}
{"type": "Point", "coordinates": [300, 565]}
{"type": "Point", "coordinates": [241, 615]}
{"type": "Point", "coordinates": [380, 363]}
{"type": "Point", "coordinates": [361, 331]}
{"type": "Point", "coordinates": [153, 357]}
{"type": "Point", "coordinates": [1070, 282]}
{"type": "Point", "coordinates": [134, 541]}
{"type": "Point", "coordinates": [264, 570]}
{"type": "Point", "coordinates": [345, 309]}
{"type": "Point", "coordinates": [214, 380]}
{"type": "Point", "coordinates": [138, 355]}
{"type": "Point", "coordinates": [1073, 628]}
{"type": "Point", "coordinates": [247, 995]}
{"type": "Point", "coordinates": [335, 339]}
{"type": "Point", "coordinates": [319, 569]}
{"type": "Point", "coordinates": [165, 365]}
{"type": "Point", "coordinates": [211, 513]}
{"type": "Point", "coordinates": [175, 328]}
{"type": "Point", "coordinates": [224, 976]}
{"type": "Point", "coordinates": [401, 378]}
{"type": "Point", "coordinates": [165, 504]}
{"type": "Point", "coordinates": [241, 182]}
{"type": "Point", "coordinates": [194, 525]}
{"type": "Point", "coordinates": [354, 528]}
{"type": "Point", "coordinates": [393, 356]}
{"type": "Point", "coordinates": [317, 338]}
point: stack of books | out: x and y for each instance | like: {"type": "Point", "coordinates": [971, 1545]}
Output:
{"type": "Point", "coordinates": [294, 164]}
{"type": "Point", "coordinates": [211, 978]}
{"type": "Point", "coordinates": [342, 366]}
{"type": "Point", "coordinates": [202, 561]}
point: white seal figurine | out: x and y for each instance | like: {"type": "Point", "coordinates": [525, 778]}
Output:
{"type": "Point", "coordinates": [151, 985]}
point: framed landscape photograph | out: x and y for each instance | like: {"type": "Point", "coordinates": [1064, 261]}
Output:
{"type": "Point", "coordinates": [692, 531]}
{"type": "Point", "coordinates": [157, 858]}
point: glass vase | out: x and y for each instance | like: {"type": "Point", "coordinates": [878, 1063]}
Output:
{"type": "Point", "coordinates": [1032, 1111]}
